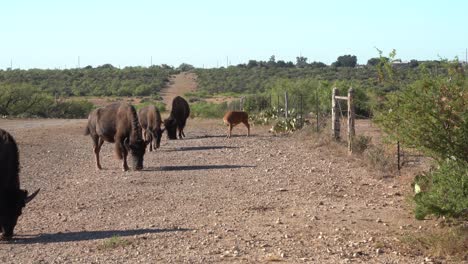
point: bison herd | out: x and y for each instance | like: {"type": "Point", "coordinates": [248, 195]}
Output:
{"type": "Point", "coordinates": [117, 123]}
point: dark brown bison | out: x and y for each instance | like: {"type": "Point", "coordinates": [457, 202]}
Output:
{"type": "Point", "coordinates": [233, 118]}
{"type": "Point", "coordinates": [177, 119]}
{"type": "Point", "coordinates": [150, 121]}
{"type": "Point", "coordinates": [117, 123]}
{"type": "Point", "coordinates": [12, 198]}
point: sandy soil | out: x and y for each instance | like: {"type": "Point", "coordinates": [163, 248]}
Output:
{"type": "Point", "coordinates": [205, 199]}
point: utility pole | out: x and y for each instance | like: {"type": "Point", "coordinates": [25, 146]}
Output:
{"type": "Point", "coordinates": [466, 56]}
{"type": "Point", "coordinates": [227, 61]}
{"type": "Point", "coordinates": [151, 64]}
{"type": "Point", "coordinates": [11, 64]}
{"type": "Point", "coordinates": [78, 62]}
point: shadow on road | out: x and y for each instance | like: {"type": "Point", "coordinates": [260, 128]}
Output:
{"type": "Point", "coordinates": [196, 167]}
{"type": "Point", "coordinates": [200, 148]}
{"type": "Point", "coordinates": [85, 235]}
{"type": "Point", "coordinates": [220, 136]}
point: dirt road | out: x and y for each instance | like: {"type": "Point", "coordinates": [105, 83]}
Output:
{"type": "Point", "coordinates": [204, 199]}
{"type": "Point", "coordinates": [179, 85]}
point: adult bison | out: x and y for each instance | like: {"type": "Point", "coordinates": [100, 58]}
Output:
{"type": "Point", "coordinates": [12, 198]}
{"type": "Point", "coordinates": [233, 118]}
{"type": "Point", "coordinates": [177, 119]}
{"type": "Point", "coordinates": [150, 121]}
{"type": "Point", "coordinates": [117, 123]}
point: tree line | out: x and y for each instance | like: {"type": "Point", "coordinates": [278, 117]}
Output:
{"type": "Point", "coordinates": [105, 80]}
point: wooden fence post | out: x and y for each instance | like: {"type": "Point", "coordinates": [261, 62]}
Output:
{"type": "Point", "coordinates": [335, 116]}
{"type": "Point", "coordinates": [351, 116]}
{"type": "Point", "coordinates": [286, 104]}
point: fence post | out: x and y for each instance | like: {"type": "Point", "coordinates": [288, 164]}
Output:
{"type": "Point", "coordinates": [286, 104]}
{"type": "Point", "coordinates": [241, 104]}
{"type": "Point", "coordinates": [351, 115]}
{"type": "Point", "coordinates": [317, 107]}
{"type": "Point", "coordinates": [278, 106]}
{"type": "Point", "coordinates": [302, 110]}
{"type": "Point", "coordinates": [335, 116]}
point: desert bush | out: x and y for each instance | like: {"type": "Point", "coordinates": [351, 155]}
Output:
{"type": "Point", "coordinates": [208, 110]}
{"type": "Point", "coordinates": [430, 115]}
{"type": "Point", "coordinates": [160, 105]}
{"type": "Point", "coordinates": [70, 109]}
{"type": "Point", "coordinates": [378, 158]}
{"type": "Point", "coordinates": [444, 191]}
{"type": "Point", "coordinates": [283, 125]}
{"type": "Point", "coordinates": [264, 117]}
{"type": "Point", "coordinates": [361, 143]}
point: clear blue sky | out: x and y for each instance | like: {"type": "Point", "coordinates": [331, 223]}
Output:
{"type": "Point", "coordinates": [53, 33]}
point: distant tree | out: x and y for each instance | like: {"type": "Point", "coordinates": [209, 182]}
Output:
{"type": "Point", "coordinates": [301, 62]}
{"type": "Point", "coordinates": [346, 61]}
{"type": "Point", "coordinates": [185, 67]}
{"type": "Point", "coordinates": [281, 64]}
{"type": "Point", "coordinates": [271, 62]}
{"type": "Point", "coordinates": [373, 61]}
{"type": "Point", "coordinates": [413, 63]}
{"type": "Point", "coordinates": [252, 63]}
{"type": "Point", "coordinates": [88, 67]}
{"type": "Point", "coordinates": [290, 64]}
{"type": "Point", "coordinates": [106, 66]}
{"type": "Point", "coordinates": [167, 67]}
{"type": "Point", "coordinates": [317, 64]}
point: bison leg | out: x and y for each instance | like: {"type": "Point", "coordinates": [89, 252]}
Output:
{"type": "Point", "coordinates": [147, 137]}
{"type": "Point", "coordinates": [150, 140]}
{"type": "Point", "coordinates": [124, 164]}
{"type": "Point", "coordinates": [229, 130]}
{"type": "Point", "coordinates": [97, 148]}
{"type": "Point", "coordinates": [122, 152]}
{"type": "Point", "coordinates": [180, 132]}
{"type": "Point", "coordinates": [246, 123]}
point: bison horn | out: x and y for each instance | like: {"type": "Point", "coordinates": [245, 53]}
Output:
{"type": "Point", "coordinates": [30, 197]}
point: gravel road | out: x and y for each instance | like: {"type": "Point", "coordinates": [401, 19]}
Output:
{"type": "Point", "coordinates": [205, 199]}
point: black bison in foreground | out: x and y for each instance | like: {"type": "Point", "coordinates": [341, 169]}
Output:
{"type": "Point", "coordinates": [233, 118]}
{"type": "Point", "coordinates": [150, 121]}
{"type": "Point", "coordinates": [177, 119]}
{"type": "Point", "coordinates": [117, 123]}
{"type": "Point", "coordinates": [12, 198]}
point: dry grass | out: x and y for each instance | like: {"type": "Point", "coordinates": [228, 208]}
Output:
{"type": "Point", "coordinates": [114, 242]}
{"type": "Point", "coordinates": [448, 243]}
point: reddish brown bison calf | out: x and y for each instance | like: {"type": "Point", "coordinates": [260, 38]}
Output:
{"type": "Point", "coordinates": [233, 118]}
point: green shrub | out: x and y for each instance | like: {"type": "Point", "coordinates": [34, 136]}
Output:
{"type": "Point", "coordinates": [208, 110]}
{"type": "Point", "coordinates": [264, 117]}
{"type": "Point", "coordinates": [431, 115]}
{"type": "Point", "coordinates": [160, 105]}
{"type": "Point", "coordinates": [444, 191]}
{"type": "Point", "coordinates": [284, 125]}
{"type": "Point", "coordinates": [70, 109]}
